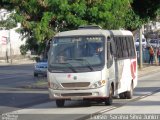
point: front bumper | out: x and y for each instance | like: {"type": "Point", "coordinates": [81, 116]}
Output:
{"type": "Point", "coordinates": [40, 72]}
{"type": "Point", "coordinates": [79, 94]}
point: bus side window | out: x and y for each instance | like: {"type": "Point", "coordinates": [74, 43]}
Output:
{"type": "Point", "coordinates": [109, 54]}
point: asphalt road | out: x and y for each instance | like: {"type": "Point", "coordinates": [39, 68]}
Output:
{"type": "Point", "coordinates": [12, 95]}
{"type": "Point", "coordinates": [14, 76]}
{"type": "Point", "coordinates": [41, 108]}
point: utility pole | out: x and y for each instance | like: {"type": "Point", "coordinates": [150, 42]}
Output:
{"type": "Point", "coordinates": [140, 48]}
{"type": "Point", "coordinates": [9, 40]}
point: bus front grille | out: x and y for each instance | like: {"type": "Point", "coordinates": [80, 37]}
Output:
{"type": "Point", "coordinates": [76, 94]}
{"type": "Point", "coordinates": [74, 85]}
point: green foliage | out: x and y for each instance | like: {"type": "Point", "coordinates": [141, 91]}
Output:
{"type": "Point", "coordinates": [41, 19]}
{"type": "Point", "coordinates": [8, 23]}
{"type": "Point", "coordinates": [146, 8]}
{"type": "Point", "coordinates": [23, 49]}
{"type": "Point", "coordinates": [133, 21]}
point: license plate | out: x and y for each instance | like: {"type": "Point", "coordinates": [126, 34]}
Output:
{"type": "Point", "coordinates": [42, 69]}
{"type": "Point", "coordinates": [76, 98]}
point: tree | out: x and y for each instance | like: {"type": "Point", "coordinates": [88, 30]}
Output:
{"type": "Point", "coordinates": [41, 19]}
{"type": "Point", "coordinates": [8, 23]}
{"type": "Point", "coordinates": [146, 8]}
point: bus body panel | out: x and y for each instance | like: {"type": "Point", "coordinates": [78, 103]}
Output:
{"type": "Point", "coordinates": [79, 85]}
{"type": "Point", "coordinates": [127, 72]}
{"type": "Point", "coordinates": [84, 77]}
{"type": "Point", "coordinates": [79, 94]}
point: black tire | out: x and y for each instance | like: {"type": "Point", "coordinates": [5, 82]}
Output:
{"type": "Point", "coordinates": [122, 95]}
{"type": "Point", "coordinates": [60, 103]}
{"type": "Point", "coordinates": [99, 101]}
{"type": "Point", "coordinates": [109, 100]}
{"type": "Point", "coordinates": [129, 94]}
{"type": "Point", "coordinates": [35, 75]}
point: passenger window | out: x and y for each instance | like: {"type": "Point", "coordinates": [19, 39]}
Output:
{"type": "Point", "coordinates": [109, 54]}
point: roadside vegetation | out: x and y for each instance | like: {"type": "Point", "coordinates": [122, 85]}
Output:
{"type": "Point", "coordinates": [42, 19]}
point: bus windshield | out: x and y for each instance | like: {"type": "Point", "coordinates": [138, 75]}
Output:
{"type": "Point", "coordinates": [74, 54]}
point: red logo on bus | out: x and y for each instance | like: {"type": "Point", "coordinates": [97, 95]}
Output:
{"type": "Point", "coordinates": [133, 69]}
{"type": "Point", "coordinates": [69, 75]}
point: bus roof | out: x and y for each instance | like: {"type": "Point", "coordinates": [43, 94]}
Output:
{"type": "Point", "coordinates": [121, 32]}
{"type": "Point", "coordinates": [83, 32]}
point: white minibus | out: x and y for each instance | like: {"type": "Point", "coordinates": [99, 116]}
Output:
{"type": "Point", "coordinates": [92, 64]}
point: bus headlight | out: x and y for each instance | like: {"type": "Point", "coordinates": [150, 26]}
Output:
{"type": "Point", "coordinates": [53, 85]}
{"type": "Point", "coordinates": [99, 84]}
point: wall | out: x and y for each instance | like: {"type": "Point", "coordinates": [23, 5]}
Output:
{"type": "Point", "coordinates": [14, 43]}
{"type": "Point", "coordinates": [15, 39]}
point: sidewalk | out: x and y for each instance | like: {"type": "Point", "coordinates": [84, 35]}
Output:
{"type": "Point", "coordinates": [148, 69]}
{"type": "Point", "coordinates": [17, 62]}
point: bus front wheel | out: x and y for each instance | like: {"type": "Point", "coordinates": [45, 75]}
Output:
{"type": "Point", "coordinates": [60, 103]}
{"type": "Point", "coordinates": [109, 100]}
{"type": "Point", "coordinates": [122, 95]}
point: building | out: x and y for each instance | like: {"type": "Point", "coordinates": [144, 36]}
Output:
{"type": "Point", "coordinates": [10, 40]}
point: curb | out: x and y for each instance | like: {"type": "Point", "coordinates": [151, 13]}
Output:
{"type": "Point", "coordinates": [17, 62]}
{"type": "Point", "coordinates": [34, 87]}
{"type": "Point", "coordinates": [44, 85]}
{"type": "Point", "coordinates": [148, 70]}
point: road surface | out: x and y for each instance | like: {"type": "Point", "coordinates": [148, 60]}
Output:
{"type": "Point", "coordinates": [148, 87]}
{"type": "Point", "coordinates": [12, 94]}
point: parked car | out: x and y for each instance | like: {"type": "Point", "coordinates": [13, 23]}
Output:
{"type": "Point", "coordinates": [154, 43]}
{"type": "Point", "coordinates": [40, 68]}
{"type": "Point", "coordinates": [144, 43]}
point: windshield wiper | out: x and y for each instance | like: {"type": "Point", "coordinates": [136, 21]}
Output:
{"type": "Point", "coordinates": [65, 63]}
{"type": "Point", "coordinates": [70, 66]}
{"type": "Point", "coordinates": [88, 64]}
